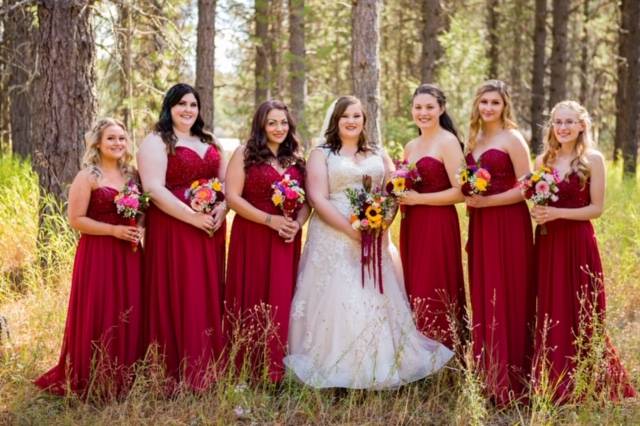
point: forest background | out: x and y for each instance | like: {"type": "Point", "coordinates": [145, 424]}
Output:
{"type": "Point", "coordinates": [65, 62]}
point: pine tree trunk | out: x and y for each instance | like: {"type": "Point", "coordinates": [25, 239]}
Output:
{"type": "Point", "coordinates": [559, 57]}
{"type": "Point", "coordinates": [125, 36]}
{"type": "Point", "coordinates": [64, 89]}
{"type": "Point", "coordinates": [515, 73]}
{"type": "Point", "coordinates": [278, 74]}
{"type": "Point", "coordinates": [262, 67]}
{"type": "Point", "coordinates": [297, 72]}
{"type": "Point", "coordinates": [632, 105]}
{"type": "Point", "coordinates": [205, 59]}
{"type": "Point", "coordinates": [365, 61]}
{"type": "Point", "coordinates": [584, 54]}
{"type": "Point", "coordinates": [537, 75]}
{"type": "Point", "coordinates": [493, 19]}
{"type": "Point", "coordinates": [623, 47]}
{"type": "Point", "coordinates": [19, 27]}
{"type": "Point", "coordinates": [433, 24]}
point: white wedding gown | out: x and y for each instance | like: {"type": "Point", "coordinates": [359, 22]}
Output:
{"type": "Point", "coordinates": [341, 334]}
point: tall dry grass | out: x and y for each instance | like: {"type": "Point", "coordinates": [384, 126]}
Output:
{"type": "Point", "coordinates": [34, 287]}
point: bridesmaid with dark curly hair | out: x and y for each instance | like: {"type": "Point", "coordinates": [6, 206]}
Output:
{"type": "Point", "coordinates": [265, 244]}
{"type": "Point", "coordinates": [184, 264]}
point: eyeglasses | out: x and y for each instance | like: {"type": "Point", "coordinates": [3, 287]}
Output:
{"type": "Point", "coordinates": [566, 123]}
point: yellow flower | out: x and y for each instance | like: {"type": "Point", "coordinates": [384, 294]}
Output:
{"type": "Point", "coordinates": [464, 176]}
{"type": "Point", "coordinates": [374, 216]}
{"type": "Point", "coordinates": [535, 177]}
{"type": "Point", "coordinates": [195, 184]}
{"type": "Point", "coordinates": [399, 185]}
{"type": "Point", "coordinates": [276, 198]}
{"type": "Point", "coordinates": [217, 186]}
{"type": "Point", "coordinates": [481, 184]}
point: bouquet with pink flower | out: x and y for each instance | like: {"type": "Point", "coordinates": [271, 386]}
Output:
{"type": "Point", "coordinates": [473, 179]}
{"type": "Point", "coordinates": [130, 203]}
{"type": "Point", "coordinates": [371, 212]}
{"type": "Point", "coordinates": [288, 195]}
{"type": "Point", "coordinates": [403, 179]}
{"type": "Point", "coordinates": [204, 194]}
{"type": "Point", "coordinates": [541, 187]}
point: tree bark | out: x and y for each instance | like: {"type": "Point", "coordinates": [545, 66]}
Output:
{"type": "Point", "coordinates": [623, 47]}
{"type": "Point", "coordinates": [584, 54]}
{"type": "Point", "coordinates": [278, 73]}
{"type": "Point", "coordinates": [433, 24]}
{"type": "Point", "coordinates": [537, 75]}
{"type": "Point", "coordinates": [559, 57]}
{"type": "Point", "coordinates": [365, 61]}
{"type": "Point", "coordinates": [493, 19]}
{"type": "Point", "coordinates": [632, 105]}
{"type": "Point", "coordinates": [64, 89]}
{"type": "Point", "coordinates": [19, 27]}
{"type": "Point", "coordinates": [262, 66]}
{"type": "Point", "coordinates": [297, 72]}
{"type": "Point", "coordinates": [205, 60]}
{"type": "Point", "coordinates": [515, 73]}
{"type": "Point", "coordinates": [125, 36]}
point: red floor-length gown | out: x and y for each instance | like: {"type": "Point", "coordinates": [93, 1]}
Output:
{"type": "Point", "coordinates": [184, 276]}
{"type": "Point", "coordinates": [570, 290]}
{"type": "Point", "coordinates": [500, 249]}
{"type": "Point", "coordinates": [102, 337]}
{"type": "Point", "coordinates": [432, 260]}
{"type": "Point", "coordinates": [261, 277]}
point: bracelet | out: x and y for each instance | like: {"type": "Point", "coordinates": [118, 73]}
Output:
{"type": "Point", "coordinates": [267, 220]}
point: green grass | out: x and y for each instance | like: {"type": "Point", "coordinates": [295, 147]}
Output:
{"type": "Point", "coordinates": [34, 287]}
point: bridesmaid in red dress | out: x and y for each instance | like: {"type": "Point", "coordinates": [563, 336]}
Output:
{"type": "Point", "coordinates": [569, 272]}
{"type": "Point", "coordinates": [265, 245]}
{"type": "Point", "coordinates": [185, 249]}
{"type": "Point", "coordinates": [430, 232]}
{"type": "Point", "coordinates": [104, 318]}
{"type": "Point", "coordinates": [500, 248]}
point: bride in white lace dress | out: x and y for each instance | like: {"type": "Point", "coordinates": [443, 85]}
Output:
{"type": "Point", "coordinates": [343, 334]}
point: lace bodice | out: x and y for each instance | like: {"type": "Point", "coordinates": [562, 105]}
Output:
{"type": "Point", "coordinates": [185, 166]}
{"type": "Point", "coordinates": [433, 174]}
{"type": "Point", "coordinates": [101, 206]}
{"type": "Point", "coordinates": [498, 163]}
{"type": "Point", "coordinates": [344, 172]}
{"type": "Point", "coordinates": [257, 187]}
{"type": "Point", "coordinates": [571, 194]}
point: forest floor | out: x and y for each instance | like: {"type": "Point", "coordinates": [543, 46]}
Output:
{"type": "Point", "coordinates": [34, 301]}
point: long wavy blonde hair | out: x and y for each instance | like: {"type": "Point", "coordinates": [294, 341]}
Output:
{"type": "Point", "coordinates": [507, 117]}
{"type": "Point", "coordinates": [580, 164]}
{"type": "Point", "coordinates": [91, 158]}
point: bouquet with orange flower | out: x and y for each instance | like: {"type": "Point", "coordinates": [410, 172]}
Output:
{"type": "Point", "coordinates": [541, 187]}
{"type": "Point", "coordinates": [205, 194]}
{"type": "Point", "coordinates": [403, 178]}
{"type": "Point", "coordinates": [371, 212]}
{"type": "Point", "coordinates": [130, 203]}
{"type": "Point", "coordinates": [473, 179]}
{"type": "Point", "coordinates": [288, 195]}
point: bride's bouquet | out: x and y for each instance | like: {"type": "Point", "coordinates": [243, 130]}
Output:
{"type": "Point", "coordinates": [371, 211]}
{"type": "Point", "coordinates": [130, 203]}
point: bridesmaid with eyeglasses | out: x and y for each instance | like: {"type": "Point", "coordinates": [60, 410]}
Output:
{"type": "Point", "coordinates": [570, 282]}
